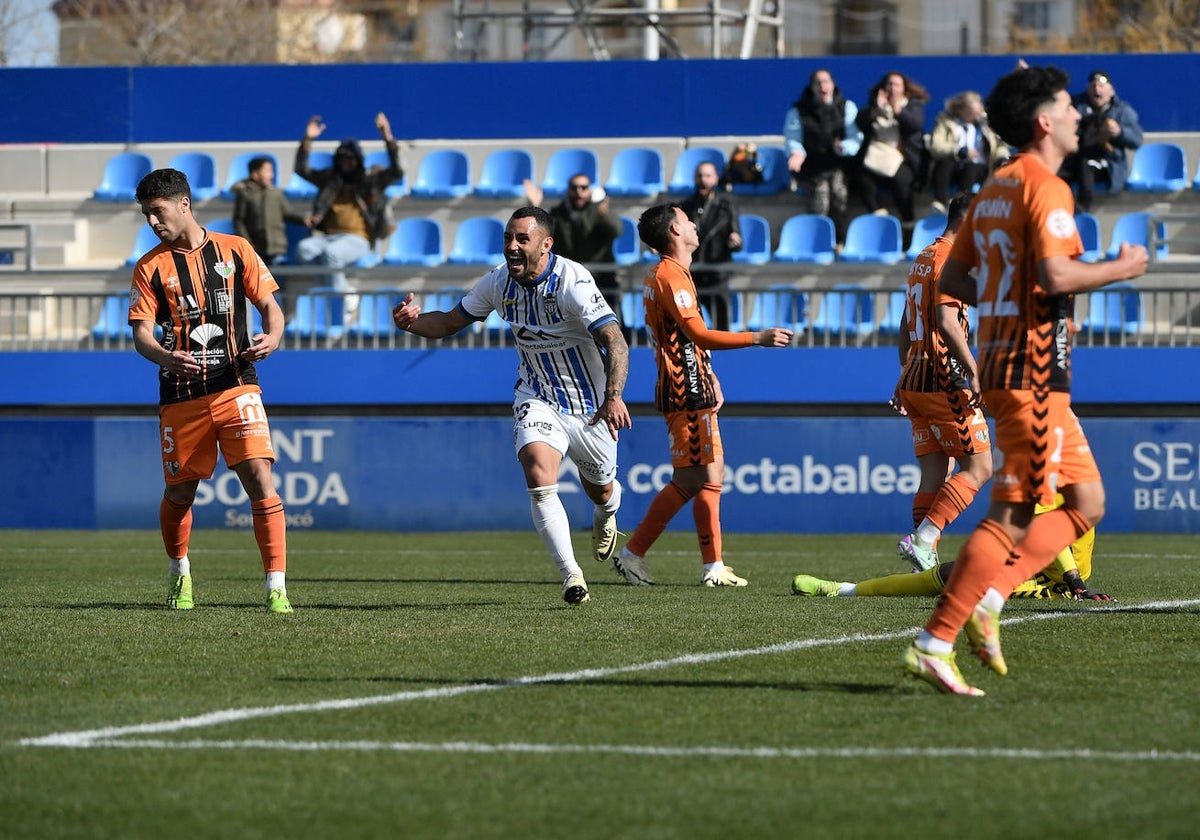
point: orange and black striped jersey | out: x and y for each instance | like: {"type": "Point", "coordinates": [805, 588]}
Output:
{"type": "Point", "coordinates": [1023, 214]}
{"type": "Point", "coordinates": [928, 366]}
{"type": "Point", "coordinates": [682, 339]}
{"type": "Point", "coordinates": [199, 300]}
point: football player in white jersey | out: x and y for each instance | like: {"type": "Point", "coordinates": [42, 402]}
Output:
{"type": "Point", "coordinates": [572, 366]}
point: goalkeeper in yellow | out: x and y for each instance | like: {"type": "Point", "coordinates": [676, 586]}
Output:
{"type": "Point", "coordinates": [1064, 578]}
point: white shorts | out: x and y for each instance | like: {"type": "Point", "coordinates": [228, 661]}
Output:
{"type": "Point", "coordinates": [591, 448]}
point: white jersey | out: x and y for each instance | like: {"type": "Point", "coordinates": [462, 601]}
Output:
{"type": "Point", "coordinates": [552, 320]}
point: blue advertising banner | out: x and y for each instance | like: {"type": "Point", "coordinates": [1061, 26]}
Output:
{"type": "Point", "coordinates": [795, 475]}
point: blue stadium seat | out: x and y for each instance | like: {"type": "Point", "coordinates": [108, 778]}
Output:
{"type": "Point", "coordinates": [636, 171]}
{"type": "Point", "coordinates": [416, 241]}
{"type": "Point", "coordinates": [201, 172]}
{"type": "Point", "coordinates": [1158, 167]}
{"type": "Point", "coordinates": [301, 189]}
{"type": "Point", "coordinates": [504, 173]}
{"type": "Point", "coordinates": [443, 173]}
{"type": "Point", "coordinates": [779, 306]}
{"type": "Point", "coordinates": [374, 316]}
{"type": "Point", "coordinates": [565, 164]}
{"type": "Point", "coordinates": [627, 248]}
{"type": "Point", "coordinates": [807, 238]}
{"type": "Point", "coordinates": [777, 178]}
{"type": "Point", "coordinates": [239, 168]}
{"type": "Point", "coordinates": [1115, 309]}
{"type": "Point", "coordinates": [479, 239]}
{"type": "Point", "coordinates": [443, 300]}
{"type": "Point", "coordinates": [146, 239]}
{"type": "Point", "coordinates": [846, 309]}
{"type": "Point", "coordinates": [871, 238]}
{"type": "Point", "coordinates": [925, 232]}
{"type": "Point", "coordinates": [318, 314]}
{"type": "Point", "coordinates": [1089, 231]}
{"type": "Point", "coordinates": [633, 314]}
{"type": "Point", "coordinates": [683, 177]}
{"type": "Point", "coordinates": [121, 176]}
{"type": "Point", "coordinates": [890, 323]}
{"type": "Point", "coordinates": [495, 329]}
{"type": "Point", "coordinates": [220, 226]}
{"type": "Point", "coordinates": [379, 157]}
{"type": "Point", "coordinates": [756, 240]}
{"type": "Point", "coordinates": [1134, 228]}
{"type": "Point", "coordinates": [113, 321]}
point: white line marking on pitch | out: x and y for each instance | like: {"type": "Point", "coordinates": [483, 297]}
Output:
{"type": "Point", "coordinates": [108, 735]}
{"type": "Point", "coordinates": [656, 752]}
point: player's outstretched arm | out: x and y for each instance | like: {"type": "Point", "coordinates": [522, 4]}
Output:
{"type": "Point", "coordinates": [408, 316]}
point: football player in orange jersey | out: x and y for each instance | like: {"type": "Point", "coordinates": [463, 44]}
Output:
{"type": "Point", "coordinates": [1020, 243]}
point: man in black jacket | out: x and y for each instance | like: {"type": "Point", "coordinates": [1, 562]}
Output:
{"type": "Point", "coordinates": [716, 220]}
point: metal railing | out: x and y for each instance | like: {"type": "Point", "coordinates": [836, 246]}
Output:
{"type": "Point", "coordinates": [1140, 315]}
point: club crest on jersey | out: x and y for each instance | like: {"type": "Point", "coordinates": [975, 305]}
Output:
{"type": "Point", "coordinates": [171, 467]}
{"type": "Point", "coordinates": [224, 268]}
{"type": "Point", "coordinates": [1060, 224]}
{"type": "Point", "coordinates": [684, 300]}
{"type": "Point", "coordinates": [550, 306]}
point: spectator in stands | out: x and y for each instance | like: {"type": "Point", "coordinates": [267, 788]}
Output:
{"type": "Point", "coordinates": [963, 148]}
{"type": "Point", "coordinates": [893, 152]}
{"type": "Point", "coordinates": [350, 212]}
{"type": "Point", "coordinates": [822, 137]}
{"type": "Point", "coordinates": [584, 230]}
{"type": "Point", "coordinates": [261, 212]}
{"type": "Point", "coordinates": [1108, 131]}
{"type": "Point", "coordinates": [716, 219]}
{"type": "Point", "coordinates": [689, 396]}
{"type": "Point", "coordinates": [568, 400]}
{"type": "Point", "coordinates": [208, 388]}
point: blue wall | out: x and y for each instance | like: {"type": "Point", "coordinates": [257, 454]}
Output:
{"type": "Point", "coordinates": [452, 376]}
{"type": "Point", "coordinates": [670, 98]}
{"type": "Point", "coordinates": [783, 475]}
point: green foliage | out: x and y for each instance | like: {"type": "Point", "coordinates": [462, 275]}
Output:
{"type": "Point", "coordinates": [648, 732]}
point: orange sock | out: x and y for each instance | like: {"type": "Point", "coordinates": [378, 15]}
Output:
{"type": "Point", "coordinates": [662, 510]}
{"type": "Point", "coordinates": [270, 533]}
{"type": "Point", "coordinates": [1048, 534]}
{"type": "Point", "coordinates": [979, 564]}
{"type": "Point", "coordinates": [951, 500]}
{"type": "Point", "coordinates": [706, 508]}
{"type": "Point", "coordinates": [175, 522]}
{"type": "Point", "coordinates": [920, 507]}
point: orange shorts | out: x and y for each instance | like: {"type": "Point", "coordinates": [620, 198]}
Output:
{"type": "Point", "coordinates": [234, 421]}
{"type": "Point", "coordinates": [695, 437]}
{"type": "Point", "coordinates": [943, 422]}
{"type": "Point", "coordinates": [1040, 455]}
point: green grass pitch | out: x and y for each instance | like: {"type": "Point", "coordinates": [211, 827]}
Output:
{"type": "Point", "coordinates": [435, 685]}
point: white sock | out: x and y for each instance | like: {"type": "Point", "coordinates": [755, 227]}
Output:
{"type": "Point", "coordinates": [847, 590]}
{"type": "Point", "coordinates": [993, 600]}
{"type": "Point", "coordinates": [182, 566]}
{"type": "Point", "coordinates": [927, 534]}
{"type": "Point", "coordinates": [719, 566]}
{"type": "Point", "coordinates": [551, 523]}
{"type": "Point", "coordinates": [930, 643]}
{"type": "Point", "coordinates": [275, 581]}
{"type": "Point", "coordinates": [612, 505]}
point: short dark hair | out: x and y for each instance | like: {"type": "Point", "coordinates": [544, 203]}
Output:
{"type": "Point", "coordinates": [257, 163]}
{"type": "Point", "coordinates": [1014, 102]}
{"type": "Point", "coordinates": [957, 209]}
{"type": "Point", "coordinates": [540, 217]}
{"type": "Point", "coordinates": [654, 226]}
{"type": "Point", "coordinates": [164, 183]}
